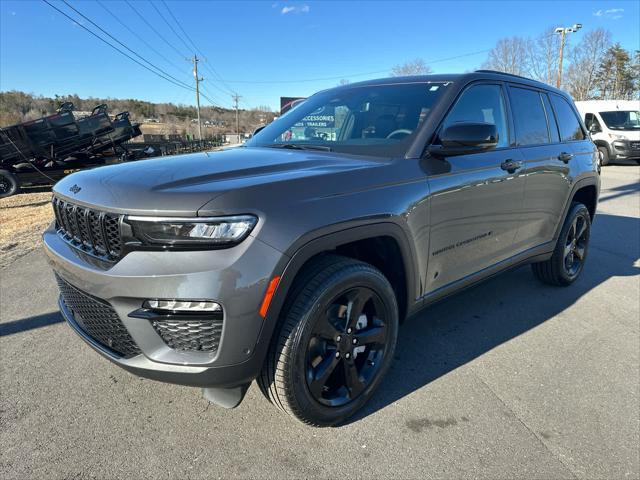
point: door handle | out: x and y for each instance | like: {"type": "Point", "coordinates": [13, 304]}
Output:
{"type": "Point", "coordinates": [510, 165]}
{"type": "Point", "coordinates": [565, 157]}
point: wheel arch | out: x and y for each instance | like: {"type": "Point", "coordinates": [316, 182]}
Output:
{"type": "Point", "coordinates": [585, 191]}
{"type": "Point", "coordinates": [354, 242]}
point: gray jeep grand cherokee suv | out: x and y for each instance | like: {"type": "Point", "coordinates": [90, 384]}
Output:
{"type": "Point", "coordinates": [293, 259]}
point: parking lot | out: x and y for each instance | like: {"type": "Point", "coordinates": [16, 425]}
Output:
{"type": "Point", "coordinates": [509, 379]}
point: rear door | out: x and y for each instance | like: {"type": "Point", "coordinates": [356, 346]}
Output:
{"type": "Point", "coordinates": [476, 202]}
{"type": "Point", "coordinates": [547, 165]}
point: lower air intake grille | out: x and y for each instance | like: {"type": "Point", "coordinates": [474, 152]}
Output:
{"type": "Point", "coordinates": [190, 335]}
{"type": "Point", "coordinates": [98, 320]}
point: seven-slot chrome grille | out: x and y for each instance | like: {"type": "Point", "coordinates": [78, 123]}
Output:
{"type": "Point", "coordinates": [92, 231]}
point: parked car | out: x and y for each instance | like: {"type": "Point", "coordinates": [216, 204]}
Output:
{"type": "Point", "coordinates": [614, 126]}
{"type": "Point", "coordinates": [293, 262]}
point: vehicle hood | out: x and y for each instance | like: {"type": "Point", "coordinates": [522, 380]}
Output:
{"type": "Point", "coordinates": [180, 185]}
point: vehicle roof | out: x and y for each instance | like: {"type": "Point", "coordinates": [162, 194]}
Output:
{"type": "Point", "coordinates": [586, 106]}
{"type": "Point", "coordinates": [458, 78]}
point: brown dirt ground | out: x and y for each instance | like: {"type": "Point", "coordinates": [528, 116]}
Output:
{"type": "Point", "coordinates": [23, 218]}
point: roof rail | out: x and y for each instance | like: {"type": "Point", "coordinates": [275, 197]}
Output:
{"type": "Point", "coordinates": [504, 73]}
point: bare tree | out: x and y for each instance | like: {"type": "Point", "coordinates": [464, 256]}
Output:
{"type": "Point", "coordinates": [586, 58]}
{"type": "Point", "coordinates": [510, 55]}
{"type": "Point", "coordinates": [543, 56]}
{"type": "Point", "coordinates": [414, 67]}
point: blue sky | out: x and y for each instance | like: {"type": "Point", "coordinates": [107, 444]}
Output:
{"type": "Point", "coordinates": [267, 49]}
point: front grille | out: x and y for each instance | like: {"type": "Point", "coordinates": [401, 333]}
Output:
{"type": "Point", "coordinates": [92, 231]}
{"type": "Point", "coordinates": [634, 145]}
{"type": "Point", "coordinates": [98, 320]}
{"type": "Point", "coordinates": [190, 335]}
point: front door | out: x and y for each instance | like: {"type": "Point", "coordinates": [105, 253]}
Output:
{"type": "Point", "coordinates": [477, 202]}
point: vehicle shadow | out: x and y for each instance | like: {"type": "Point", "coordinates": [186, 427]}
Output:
{"type": "Point", "coordinates": [621, 191]}
{"type": "Point", "coordinates": [461, 328]}
{"type": "Point", "coordinates": [30, 323]}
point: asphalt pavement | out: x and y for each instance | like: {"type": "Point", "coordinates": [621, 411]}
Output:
{"type": "Point", "coordinates": [510, 379]}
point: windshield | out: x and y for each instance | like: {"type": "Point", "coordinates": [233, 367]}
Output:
{"type": "Point", "coordinates": [366, 120]}
{"type": "Point", "coordinates": [621, 120]}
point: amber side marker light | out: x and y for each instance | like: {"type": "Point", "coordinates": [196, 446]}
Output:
{"type": "Point", "coordinates": [271, 289]}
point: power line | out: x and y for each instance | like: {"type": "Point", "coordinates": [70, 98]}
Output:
{"type": "Point", "coordinates": [169, 25]}
{"type": "Point", "coordinates": [122, 44]}
{"type": "Point", "coordinates": [154, 30]}
{"type": "Point", "coordinates": [116, 48]}
{"type": "Point", "coordinates": [206, 64]}
{"type": "Point", "coordinates": [133, 32]}
{"type": "Point", "coordinates": [354, 74]}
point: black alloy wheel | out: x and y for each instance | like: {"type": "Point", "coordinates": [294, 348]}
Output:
{"type": "Point", "coordinates": [335, 341]}
{"type": "Point", "coordinates": [576, 245]}
{"type": "Point", "coordinates": [570, 252]}
{"type": "Point", "coordinates": [347, 347]}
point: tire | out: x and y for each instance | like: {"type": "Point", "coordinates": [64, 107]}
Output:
{"type": "Point", "coordinates": [321, 373]}
{"type": "Point", "coordinates": [562, 269]}
{"type": "Point", "coordinates": [9, 184]}
{"type": "Point", "coordinates": [605, 156]}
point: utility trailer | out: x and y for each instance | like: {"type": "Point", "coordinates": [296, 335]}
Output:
{"type": "Point", "coordinates": [44, 150]}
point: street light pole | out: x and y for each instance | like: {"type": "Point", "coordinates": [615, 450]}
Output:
{"type": "Point", "coordinates": [562, 31]}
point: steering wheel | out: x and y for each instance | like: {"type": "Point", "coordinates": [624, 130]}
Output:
{"type": "Point", "coordinates": [400, 130]}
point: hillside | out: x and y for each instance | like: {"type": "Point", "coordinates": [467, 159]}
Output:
{"type": "Point", "coordinates": [167, 118]}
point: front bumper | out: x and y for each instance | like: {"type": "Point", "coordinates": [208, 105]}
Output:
{"type": "Point", "coordinates": [236, 278]}
{"type": "Point", "coordinates": [626, 149]}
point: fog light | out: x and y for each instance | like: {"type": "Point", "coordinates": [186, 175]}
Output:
{"type": "Point", "coordinates": [182, 305]}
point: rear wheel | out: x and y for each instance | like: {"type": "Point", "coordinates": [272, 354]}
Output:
{"type": "Point", "coordinates": [604, 152]}
{"type": "Point", "coordinates": [8, 184]}
{"type": "Point", "coordinates": [335, 344]}
{"type": "Point", "coordinates": [567, 261]}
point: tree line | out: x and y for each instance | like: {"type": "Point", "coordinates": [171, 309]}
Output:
{"type": "Point", "coordinates": [594, 68]}
{"type": "Point", "coordinates": [16, 107]}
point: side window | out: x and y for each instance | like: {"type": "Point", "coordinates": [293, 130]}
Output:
{"type": "Point", "coordinates": [591, 119]}
{"type": "Point", "coordinates": [570, 128]}
{"type": "Point", "coordinates": [481, 104]}
{"type": "Point", "coordinates": [529, 117]}
{"type": "Point", "coordinates": [551, 119]}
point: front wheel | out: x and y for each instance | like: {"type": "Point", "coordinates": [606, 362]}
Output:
{"type": "Point", "coordinates": [335, 344]}
{"type": "Point", "coordinates": [570, 253]}
{"type": "Point", "coordinates": [604, 156]}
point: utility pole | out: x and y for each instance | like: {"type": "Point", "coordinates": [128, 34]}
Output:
{"type": "Point", "coordinates": [562, 31]}
{"type": "Point", "coordinates": [237, 97]}
{"type": "Point", "coordinates": [195, 61]}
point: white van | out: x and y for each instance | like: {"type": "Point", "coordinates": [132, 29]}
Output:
{"type": "Point", "coordinates": [614, 126]}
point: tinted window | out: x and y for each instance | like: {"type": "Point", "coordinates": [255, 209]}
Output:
{"type": "Point", "coordinates": [377, 120]}
{"type": "Point", "coordinates": [529, 117]}
{"type": "Point", "coordinates": [551, 119]}
{"type": "Point", "coordinates": [570, 128]}
{"type": "Point", "coordinates": [481, 104]}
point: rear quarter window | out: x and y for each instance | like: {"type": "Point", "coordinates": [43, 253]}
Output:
{"type": "Point", "coordinates": [568, 122]}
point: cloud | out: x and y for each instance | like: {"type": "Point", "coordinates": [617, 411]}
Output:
{"type": "Point", "coordinates": [611, 13]}
{"type": "Point", "coordinates": [294, 9]}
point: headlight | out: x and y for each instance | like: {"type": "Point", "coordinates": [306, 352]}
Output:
{"type": "Point", "coordinates": [214, 231]}
{"type": "Point", "coordinates": [617, 137]}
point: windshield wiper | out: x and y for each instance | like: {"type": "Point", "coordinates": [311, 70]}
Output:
{"type": "Point", "coordinates": [298, 146]}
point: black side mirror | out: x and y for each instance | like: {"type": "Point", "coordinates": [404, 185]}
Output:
{"type": "Point", "coordinates": [594, 128]}
{"type": "Point", "coordinates": [257, 130]}
{"type": "Point", "coordinates": [464, 138]}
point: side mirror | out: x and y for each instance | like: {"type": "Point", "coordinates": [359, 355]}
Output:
{"type": "Point", "coordinates": [465, 138]}
{"type": "Point", "coordinates": [594, 128]}
{"type": "Point", "coordinates": [258, 130]}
